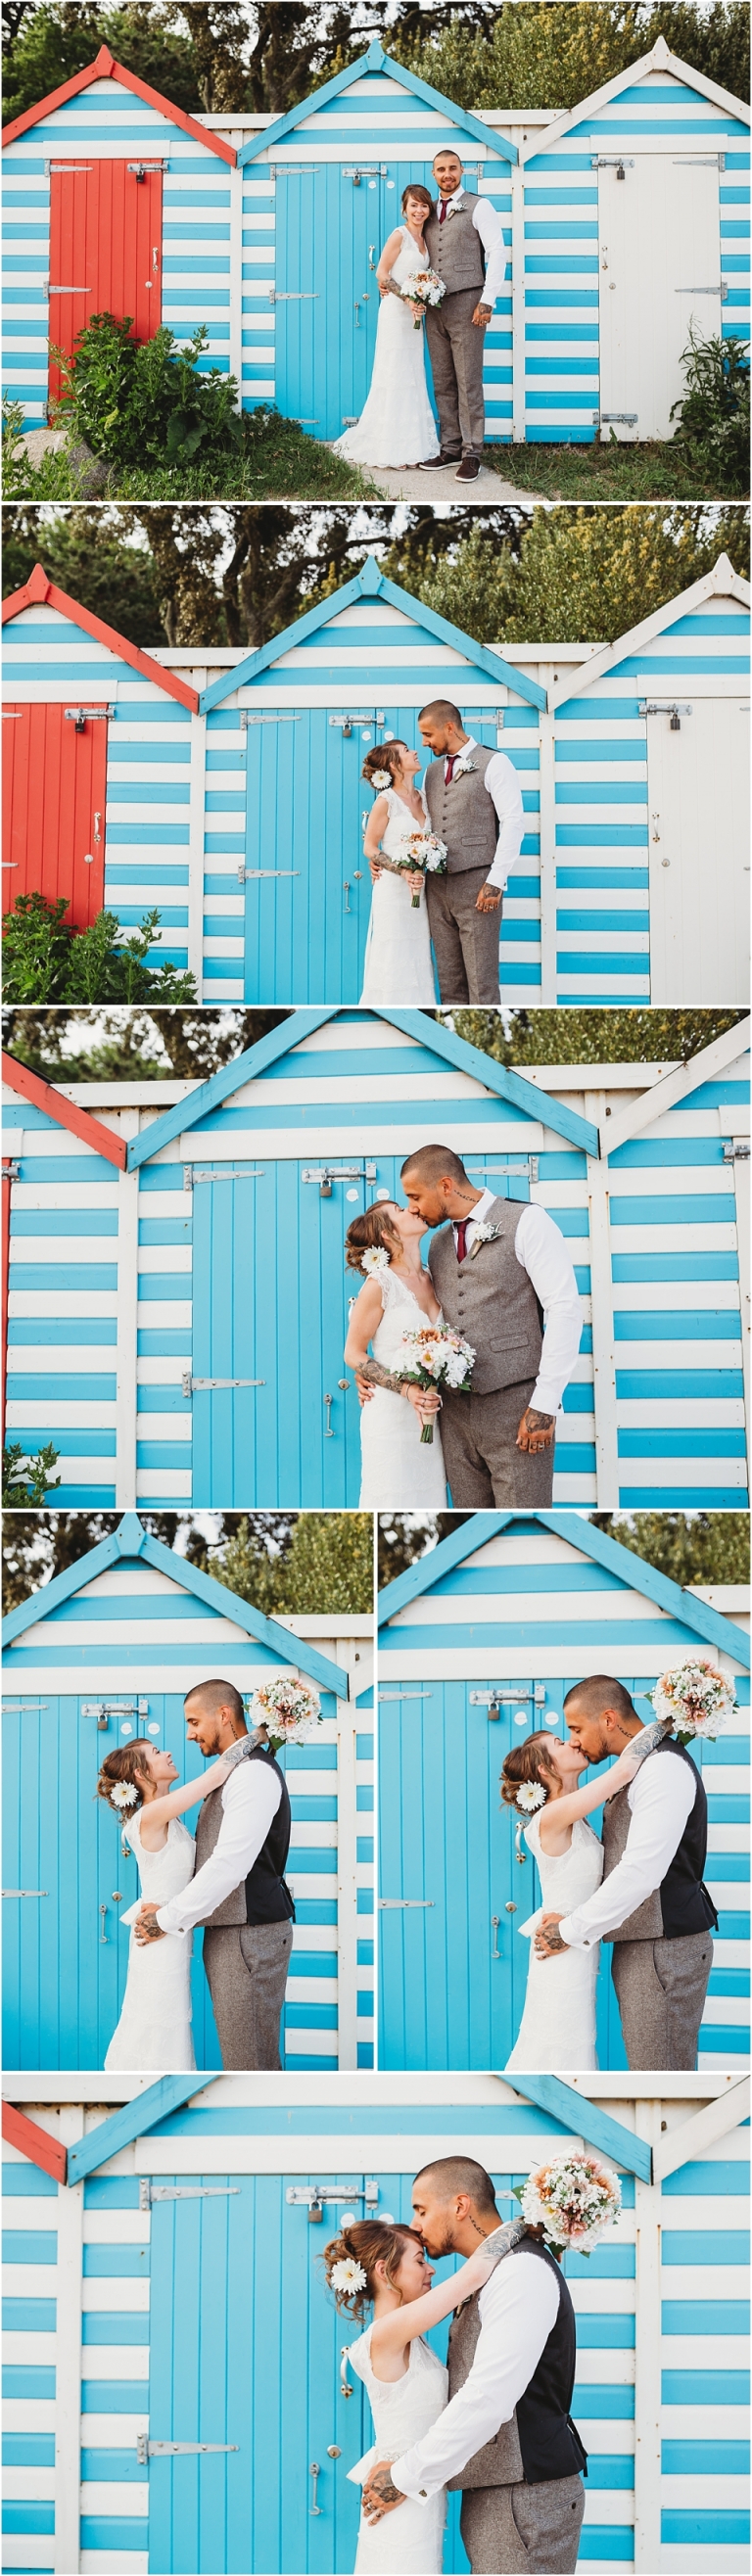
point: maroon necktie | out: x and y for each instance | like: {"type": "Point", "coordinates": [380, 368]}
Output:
{"type": "Point", "coordinates": [442, 210]}
{"type": "Point", "coordinates": [461, 1237]}
{"type": "Point", "coordinates": [449, 772]}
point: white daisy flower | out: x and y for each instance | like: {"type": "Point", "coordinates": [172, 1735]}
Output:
{"type": "Point", "coordinates": [124, 1794]}
{"type": "Point", "coordinates": [531, 1795]}
{"type": "Point", "coordinates": [348, 2276]}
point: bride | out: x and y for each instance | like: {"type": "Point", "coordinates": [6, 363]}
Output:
{"type": "Point", "coordinates": [383, 2262]}
{"type": "Point", "coordinates": [397, 426]}
{"type": "Point", "coordinates": [155, 2023]}
{"type": "Point", "coordinates": [398, 1468]}
{"type": "Point", "coordinates": [398, 965]}
{"type": "Point", "coordinates": [538, 1777]}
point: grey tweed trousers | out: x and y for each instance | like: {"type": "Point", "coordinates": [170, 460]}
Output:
{"type": "Point", "coordinates": [246, 1968]}
{"type": "Point", "coordinates": [483, 1464]}
{"type": "Point", "coordinates": [661, 1988]}
{"type": "Point", "coordinates": [509, 2529]}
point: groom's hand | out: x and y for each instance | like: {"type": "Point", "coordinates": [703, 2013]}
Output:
{"type": "Point", "coordinates": [536, 1431]}
{"type": "Point", "coordinates": [146, 1927]}
{"type": "Point", "coordinates": [547, 1939]}
{"type": "Point", "coordinates": [379, 2494]}
{"type": "Point", "coordinates": [489, 898]}
{"type": "Point", "coordinates": [482, 315]}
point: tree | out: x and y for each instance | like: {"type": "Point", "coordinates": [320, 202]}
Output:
{"type": "Point", "coordinates": [324, 1568]}
{"type": "Point", "coordinates": [133, 1045]}
{"type": "Point", "coordinates": [37, 1546]}
{"type": "Point", "coordinates": [584, 575]}
{"type": "Point", "coordinates": [403, 1537]}
{"type": "Point", "coordinates": [89, 555]}
{"type": "Point", "coordinates": [536, 53]}
{"type": "Point", "coordinates": [590, 1036]}
{"type": "Point", "coordinates": [691, 1547]}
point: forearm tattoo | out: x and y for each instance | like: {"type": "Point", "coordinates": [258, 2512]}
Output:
{"type": "Point", "coordinates": [538, 1421]}
{"type": "Point", "coordinates": [383, 2486]}
{"type": "Point", "coordinates": [551, 1935]}
{"type": "Point", "coordinates": [375, 1375]}
{"type": "Point", "coordinates": [149, 1928]}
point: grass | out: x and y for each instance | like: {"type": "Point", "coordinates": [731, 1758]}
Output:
{"type": "Point", "coordinates": [278, 462]}
{"type": "Point", "coordinates": [653, 471]}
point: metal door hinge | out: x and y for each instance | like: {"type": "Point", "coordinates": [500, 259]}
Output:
{"type": "Point", "coordinates": [310, 2195]}
{"type": "Point", "coordinates": [525, 1170]}
{"type": "Point", "coordinates": [202, 1385]}
{"type": "Point", "coordinates": [10, 1173]}
{"type": "Point", "coordinates": [289, 295]}
{"type": "Point", "coordinates": [294, 169]}
{"type": "Point", "coordinates": [149, 2191]}
{"type": "Point", "coordinates": [195, 1172]}
{"type": "Point", "coordinates": [700, 161]}
{"type": "Point", "coordinates": [326, 1173]}
{"type": "Point", "coordinates": [405, 1904]}
{"type": "Point", "coordinates": [146, 2450]}
{"type": "Point", "coordinates": [721, 290]}
{"type": "Point", "coordinates": [629, 418]}
{"type": "Point", "coordinates": [406, 1694]}
{"type": "Point", "coordinates": [245, 874]}
{"type": "Point", "coordinates": [249, 717]}
{"type": "Point", "coordinates": [736, 1153]}
{"type": "Point", "coordinates": [25, 1891]}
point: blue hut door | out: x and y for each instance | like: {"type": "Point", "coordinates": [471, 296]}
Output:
{"type": "Point", "coordinates": [69, 1877]}
{"type": "Point", "coordinates": [332, 222]}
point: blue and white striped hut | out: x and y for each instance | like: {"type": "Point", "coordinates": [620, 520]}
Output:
{"type": "Point", "coordinates": [173, 2390]}
{"type": "Point", "coordinates": [478, 1643]}
{"type": "Point", "coordinates": [106, 1652]}
{"type": "Point", "coordinates": [177, 1284]}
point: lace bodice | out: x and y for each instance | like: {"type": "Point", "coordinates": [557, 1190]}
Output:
{"type": "Point", "coordinates": [167, 1872]}
{"type": "Point", "coordinates": [402, 1314]}
{"type": "Point", "coordinates": [567, 1878]}
{"type": "Point", "coordinates": [402, 2409]}
{"type": "Point", "coordinates": [400, 821]}
{"type": "Point", "coordinates": [409, 258]}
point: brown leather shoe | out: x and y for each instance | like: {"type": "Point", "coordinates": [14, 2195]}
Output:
{"type": "Point", "coordinates": [468, 470]}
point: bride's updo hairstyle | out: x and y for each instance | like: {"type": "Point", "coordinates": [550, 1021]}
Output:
{"type": "Point", "coordinates": [369, 2241]}
{"type": "Point", "coordinates": [371, 1232]}
{"type": "Point", "coordinates": [414, 189]}
{"type": "Point", "coordinates": [383, 755]}
{"type": "Point", "coordinates": [123, 1765]}
{"type": "Point", "coordinates": [526, 1762]}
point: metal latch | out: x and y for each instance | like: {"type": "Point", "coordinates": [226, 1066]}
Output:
{"type": "Point", "coordinates": [736, 1153]}
{"type": "Point", "coordinates": [326, 1173]}
{"type": "Point", "coordinates": [610, 161]}
{"type": "Point", "coordinates": [664, 707]}
{"type": "Point", "coordinates": [535, 1691]}
{"type": "Point", "coordinates": [365, 170]}
{"type": "Point", "coordinates": [194, 1172]}
{"type": "Point", "coordinates": [139, 168]}
{"type": "Point", "coordinates": [603, 418]}
{"type": "Point", "coordinates": [104, 1709]}
{"type": "Point", "coordinates": [199, 1385]}
{"type": "Point", "coordinates": [146, 2450]}
{"type": "Point", "coordinates": [91, 715]}
{"type": "Point", "coordinates": [149, 2191]}
{"type": "Point", "coordinates": [306, 2195]}
{"type": "Point", "coordinates": [358, 715]}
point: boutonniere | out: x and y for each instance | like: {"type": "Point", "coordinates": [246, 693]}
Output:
{"type": "Point", "coordinates": [483, 1234]}
{"type": "Point", "coordinates": [454, 210]}
{"type": "Point", "coordinates": [464, 768]}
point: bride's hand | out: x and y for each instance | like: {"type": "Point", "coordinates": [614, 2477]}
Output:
{"type": "Point", "coordinates": [625, 1769]}
{"type": "Point", "coordinates": [415, 880]}
{"type": "Point", "coordinates": [425, 1400]}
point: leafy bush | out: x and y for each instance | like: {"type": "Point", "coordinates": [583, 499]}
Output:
{"type": "Point", "coordinates": [713, 415]}
{"type": "Point", "coordinates": [46, 960]}
{"type": "Point", "coordinates": [141, 401]}
{"type": "Point", "coordinates": [53, 479]}
{"type": "Point", "coordinates": [28, 1477]}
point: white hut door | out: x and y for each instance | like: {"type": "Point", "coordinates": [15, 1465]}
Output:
{"type": "Point", "coordinates": [698, 808]}
{"type": "Point", "coordinates": [660, 276]}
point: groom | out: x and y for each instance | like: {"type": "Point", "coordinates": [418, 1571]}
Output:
{"type": "Point", "coordinates": [475, 807]}
{"type": "Point", "coordinates": [238, 1890]}
{"type": "Point", "coordinates": [652, 1903]}
{"type": "Point", "coordinates": [506, 2437]}
{"type": "Point", "coordinates": [496, 1265]}
{"type": "Point", "coordinates": [466, 248]}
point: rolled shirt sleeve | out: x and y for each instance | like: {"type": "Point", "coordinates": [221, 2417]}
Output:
{"type": "Point", "coordinates": [487, 222]}
{"type": "Point", "coordinates": [541, 1250]}
{"type": "Point", "coordinates": [502, 785]}
{"type": "Point", "coordinates": [661, 1798]}
{"type": "Point", "coordinates": [518, 2308]}
{"type": "Point", "coordinates": [250, 1799]}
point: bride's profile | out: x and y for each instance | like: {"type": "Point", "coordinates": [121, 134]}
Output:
{"type": "Point", "coordinates": [383, 2264]}
{"type": "Point", "coordinates": [539, 1778]}
{"type": "Point", "coordinates": [398, 965]}
{"type": "Point", "coordinates": [396, 1299]}
{"type": "Point", "coordinates": [154, 2029]}
{"type": "Point", "coordinates": [397, 425]}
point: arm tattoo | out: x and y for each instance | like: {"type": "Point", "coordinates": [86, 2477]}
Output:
{"type": "Point", "coordinates": [384, 2487]}
{"type": "Point", "coordinates": [149, 1928]}
{"type": "Point", "coordinates": [538, 1421]}
{"type": "Point", "coordinates": [377, 1376]}
{"type": "Point", "coordinates": [551, 1935]}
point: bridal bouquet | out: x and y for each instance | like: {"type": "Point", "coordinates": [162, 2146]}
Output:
{"type": "Point", "coordinates": [424, 850]}
{"type": "Point", "coordinates": [693, 1699]}
{"type": "Point", "coordinates": [289, 1708]}
{"type": "Point", "coordinates": [441, 1358]}
{"type": "Point", "coordinates": [574, 2198]}
{"type": "Point", "coordinates": [426, 288]}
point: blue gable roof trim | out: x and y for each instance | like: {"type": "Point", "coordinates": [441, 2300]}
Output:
{"type": "Point", "coordinates": [633, 1570]}
{"type": "Point", "coordinates": [377, 60]}
{"type": "Point", "coordinates": [510, 1086]}
{"type": "Point", "coordinates": [130, 1540]}
{"type": "Point", "coordinates": [372, 583]}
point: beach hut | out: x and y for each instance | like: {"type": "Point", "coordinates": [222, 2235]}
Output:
{"type": "Point", "coordinates": [174, 2399]}
{"type": "Point", "coordinates": [106, 1652]}
{"type": "Point", "coordinates": [117, 202]}
{"type": "Point", "coordinates": [178, 1295]}
{"type": "Point", "coordinates": [100, 751]}
{"type": "Point", "coordinates": [478, 1643]}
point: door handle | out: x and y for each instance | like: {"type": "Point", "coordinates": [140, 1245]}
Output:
{"type": "Point", "coordinates": [103, 1936]}
{"type": "Point", "coordinates": [314, 2473]}
{"type": "Point", "coordinates": [344, 1383]}
{"type": "Point", "coordinates": [328, 1434]}
{"type": "Point", "coordinates": [346, 890]}
{"type": "Point", "coordinates": [510, 1907]}
{"type": "Point", "coordinates": [117, 1896]}
{"type": "Point", "coordinates": [155, 259]}
{"type": "Point", "coordinates": [333, 2451]}
{"type": "Point", "coordinates": [97, 828]}
{"type": "Point", "coordinates": [495, 1951]}
{"type": "Point", "coordinates": [357, 317]}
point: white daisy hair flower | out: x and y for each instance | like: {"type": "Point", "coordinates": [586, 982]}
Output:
{"type": "Point", "coordinates": [348, 2276]}
{"type": "Point", "coordinates": [124, 1794]}
{"type": "Point", "coordinates": [531, 1795]}
{"type": "Point", "coordinates": [376, 1260]}
{"type": "Point", "coordinates": [381, 778]}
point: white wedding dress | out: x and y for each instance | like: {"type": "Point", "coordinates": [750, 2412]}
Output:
{"type": "Point", "coordinates": [398, 965]}
{"type": "Point", "coordinates": [409, 2541]}
{"type": "Point", "coordinates": [397, 426]}
{"type": "Point", "coordinates": [558, 2023]}
{"type": "Point", "coordinates": [154, 2029]}
{"type": "Point", "coordinates": [398, 1467]}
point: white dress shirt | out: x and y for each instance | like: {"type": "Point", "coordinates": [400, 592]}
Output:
{"type": "Point", "coordinates": [518, 2309]}
{"type": "Point", "coordinates": [502, 786]}
{"type": "Point", "coordinates": [661, 1797]}
{"type": "Point", "coordinates": [541, 1250]}
{"type": "Point", "coordinates": [250, 1799]}
{"type": "Point", "coordinates": [487, 223]}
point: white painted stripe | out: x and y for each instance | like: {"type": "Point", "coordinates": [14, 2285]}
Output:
{"type": "Point", "coordinates": [102, 2496]}
{"type": "Point", "coordinates": [490, 1609]}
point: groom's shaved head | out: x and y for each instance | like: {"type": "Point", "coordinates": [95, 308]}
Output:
{"type": "Point", "coordinates": [434, 1163]}
{"type": "Point", "coordinates": [214, 1695]}
{"type": "Point", "coordinates": [451, 2175]}
{"type": "Point", "coordinates": [592, 1697]}
{"type": "Point", "coordinates": [441, 711]}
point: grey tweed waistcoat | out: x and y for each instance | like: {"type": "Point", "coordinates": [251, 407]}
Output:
{"type": "Point", "coordinates": [491, 1300]}
{"type": "Point", "coordinates": [538, 2442]}
{"type": "Point", "coordinates": [681, 1904]}
{"type": "Point", "coordinates": [455, 248]}
{"type": "Point", "coordinates": [463, 813]}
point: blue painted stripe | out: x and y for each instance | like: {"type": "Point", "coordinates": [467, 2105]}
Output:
{"type": "Point", "coordinates": [644, 1632]}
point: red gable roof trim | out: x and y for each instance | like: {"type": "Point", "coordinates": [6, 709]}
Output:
{"type": "Point", "coordinates": [38, 591]}
{"type": "Point", "coordinates": [106, 68]}
{"type": "Point", "coordinates": [35, 2143]}
{"type": "Point", "coordinates": [67, 1113]}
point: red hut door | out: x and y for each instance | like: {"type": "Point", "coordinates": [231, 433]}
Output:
{"type": "Point", "coordinates": [105, 248]}
{"type": "Point", "coordinates": [54, 796]}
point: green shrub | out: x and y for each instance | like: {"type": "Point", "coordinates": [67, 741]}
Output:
{"type": "Point", "coordinates": [45, 960]}
{"type": "Point", "coordinates": [141, 401]}
{"type": "Point", "coordinates": [27, 1477]}
{"type": "Point", "coordinates": [713, 414]}
{"type": "Point", "coordinates": [53, 479]}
